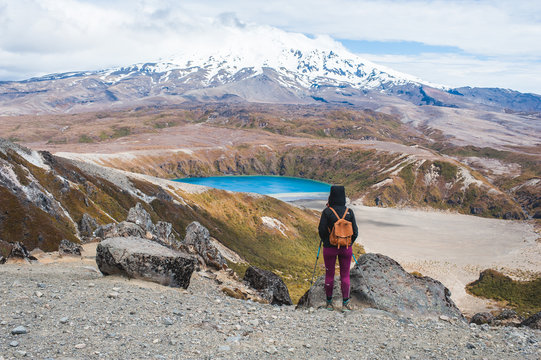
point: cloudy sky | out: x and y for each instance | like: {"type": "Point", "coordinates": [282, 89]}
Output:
{"type": "Point", "coordinates": [494, 43]}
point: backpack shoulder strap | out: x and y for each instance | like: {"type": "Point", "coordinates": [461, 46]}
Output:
{"type": "Point", "coordinates": [345, 213]}
{"type": "Point", "coordinates": [337, 217]}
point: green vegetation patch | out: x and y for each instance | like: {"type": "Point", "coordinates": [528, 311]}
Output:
{"type": "Point", "coordinates": [524, 296]}
{"type": "Point", "coordinates": [120, 132]}
{"type": "Point", "coordinates": [408, 175]}
{"type": "Point", "coordinates": [85, 139]}
{"type": "Point", "coordinates": [447, 170]}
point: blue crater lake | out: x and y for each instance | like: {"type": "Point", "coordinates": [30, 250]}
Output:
{"type": "Point", "coordinates": [281, 187]}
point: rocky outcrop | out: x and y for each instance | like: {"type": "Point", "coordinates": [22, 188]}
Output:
{"type": "Point", "coordinates": [144, 259]}
{"type": "Point", "coordinates": [508, 317]}
{"type": "Point", "coordinates": [197, 242]}
{"type": "Point", "coordinates": [378, 281]}
{"type": "Point", "coordinates": [67, 247]}
{"type": "Point", "coordinates": [122, 229]}
{"type": "Point", "coordinates": [139, 224]}
{"type": "Point", "coordinates": [533, 321]}
{"type": "Point", "coordinates": [14, 250]}
{"type": "Point", "coordinates": [165, 233]}
{"type": "Point", "coordinates": [482, 318]}
{"type": "Point", "coordinates": [270, 285]}
{"type": "Point", "coordinates": [138, 215]}
{"type": "Point", "coordinates": [86, 226]}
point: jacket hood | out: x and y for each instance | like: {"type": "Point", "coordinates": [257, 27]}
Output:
{"type": "Point", "coordinates": [337, 196]}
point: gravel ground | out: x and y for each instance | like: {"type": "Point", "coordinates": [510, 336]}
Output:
{"type": "Point", "coordinates": [70, 311]}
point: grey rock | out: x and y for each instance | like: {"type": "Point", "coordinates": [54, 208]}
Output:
{"type": "Point", "coordinates": [41, 285]}
{"type": "Point", "coordinates": [19, 330]}
{"type": "Point", "coordinates": [102, 230]}
{"type": "Point", "coordinates": [482, 318]}
{"type": "Point", "coordinates": [269, 284]}
{"type": "Point", "coordinates": [507, 314]}
{"type": "Point", "coordinates": [533, 321]}
{"type": "Point", "coordinates": [168, 321]}
{"type": "Point", "coordinates": [14, 343]}
{"type": "Point", "coordinates": [141, 258]}
{"type": "Point", "coordinates": [64, 320]}
{"type": "Point", "coordinates": [379, 282]}
{"type": "Point", "coordinates": [224, 348]}
{"type": "Point", "coordinates": [138, 215]}
{"type": "Point", "coordinates": [19, 251]}
{"type": "Point", "coordinates": [123, 229]}
{"type": "Point", "coordinates": [87, 225]}
{"type": "Point", "coordinates": [67, 247]}
{"type": "Point", "coordinates": [164, 232]}
{"type": "Point", "coordinates": [233, 339]}
{"type": "Point", "coordinates": [197, 242]}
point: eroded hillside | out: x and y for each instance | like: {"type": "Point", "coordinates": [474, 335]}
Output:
{"type": "Point", "coordinates": [379, 178]}
{"type": "Point", "coordinates": [44, 198]}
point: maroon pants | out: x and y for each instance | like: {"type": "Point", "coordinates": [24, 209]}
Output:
{"type": "Point", "coordinates": [344, 259]}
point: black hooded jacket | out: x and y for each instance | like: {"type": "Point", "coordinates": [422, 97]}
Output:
{"type": "Point", "coordinates": [337, 200]}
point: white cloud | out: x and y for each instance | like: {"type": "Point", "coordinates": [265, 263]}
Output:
{"type": "Point", "coordinates": [44, 36]}
{"type": "Point", "coordinates": [488, 27]}
{"type": "Point", "coordinates": [47, 36]}
{"type": "Point", "coordinates": [462, 70]}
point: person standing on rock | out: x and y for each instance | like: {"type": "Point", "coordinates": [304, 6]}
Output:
{"type": "Point", "coordinates": [336, 209]}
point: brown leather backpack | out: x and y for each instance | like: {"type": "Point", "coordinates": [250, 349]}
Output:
{"type": "Point", "coordinates": [342, 231]}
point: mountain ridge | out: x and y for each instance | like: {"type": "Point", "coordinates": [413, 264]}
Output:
{"type": "Point", "coordinates": [307, 75]}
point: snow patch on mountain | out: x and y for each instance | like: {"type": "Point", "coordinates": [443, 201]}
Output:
{"type": "Point", "coordinates": [293, 60]}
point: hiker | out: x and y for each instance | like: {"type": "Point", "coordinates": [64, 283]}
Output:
{"type": "Point", "coordinates": [336, 207]}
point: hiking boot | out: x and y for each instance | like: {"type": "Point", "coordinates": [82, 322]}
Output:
{"type": "Point", "coordinates": [329, 306]}
{"type": "Point", "coordinates": [347, 306]}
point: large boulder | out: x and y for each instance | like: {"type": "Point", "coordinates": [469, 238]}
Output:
{"type": "Point", "coordinates": [378, 281]}
{"type": "Point", "coordinates": [144, 259]}
{"type": "Point", "coordinates": [270, 285]}
{"type": "Point", "coordinates": [14, 250]}
{"type": "Point", "coordinates": [67, 247]}
{"type": "Point", "coordinates": [508, 317]}
{"type": "Point", "coordinates": [482, 318]}
{"type": "Point", "coordinates": [197, 242]}
{"type": "Point", "coordinates": [533, 321]}
{"type": "Point", "coordinates": [138, 215]}
{"type": "Point", "coordinates": [139, 224]}
{"type": "Point", "coordinates": [122, 229]}
{"type": "Point", "coordinates": [165, 233]}
{"type": "Point", "coordinates": [86, 226]}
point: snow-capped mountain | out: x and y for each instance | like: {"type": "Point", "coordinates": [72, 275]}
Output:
{"type": "Point", "coordinates": [283, 70]}
{"type": "Point", "coordinates": [295, 68]}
